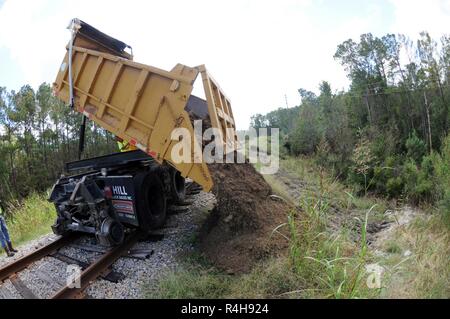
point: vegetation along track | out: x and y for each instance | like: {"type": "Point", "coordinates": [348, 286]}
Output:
{"type": "Point", "coordinates": [99, 267]}
{"type": "Point", "coordinates": [42, 272]}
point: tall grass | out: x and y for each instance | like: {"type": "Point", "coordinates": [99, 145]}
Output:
{"type": "Point", "coordinates": [319, 264]}
{"type": "Point", "coordinates": [328, 263]}
{"type": "Point", "coordinates": [322, 181]}
{"type": "Point", "coordinates": [193, 282]}
{"type": "Point", "coordinates": [324, 263]}
{"type": "Point", "coordinates": [31, 219]}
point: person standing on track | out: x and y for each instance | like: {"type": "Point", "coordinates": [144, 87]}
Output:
{"type": "Point", "coordinates": [4, 234]}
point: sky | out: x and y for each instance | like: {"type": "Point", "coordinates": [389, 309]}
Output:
{"type": "Point", "coordinates": [261, 52]}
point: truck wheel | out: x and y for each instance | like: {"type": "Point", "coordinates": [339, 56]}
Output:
{"type": "Point", "coordinates": [150, 200]}
{"type": "Point", "coordinates": [177, 187]}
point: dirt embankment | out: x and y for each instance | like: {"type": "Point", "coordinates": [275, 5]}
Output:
{"type": "Point", "coordinates": [239, 230]}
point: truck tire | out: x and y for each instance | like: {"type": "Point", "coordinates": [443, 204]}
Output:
{"type": "Point", "coordinates": [150, 200]}
{"type": "Point", "coordinates": [177, 187]}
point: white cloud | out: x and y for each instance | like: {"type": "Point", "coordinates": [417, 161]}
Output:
{"type": "Point", "coordinates": [255, 49]}
{"type": "Point", "coordinates": [258, 50]}
{"type": "Point", "coordinates": [26, 35]}
{"type": "Point", "coordinates": [415, 16]}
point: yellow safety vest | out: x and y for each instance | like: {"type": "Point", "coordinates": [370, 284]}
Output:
{"type": "Point", "coordinates": [126, 146]}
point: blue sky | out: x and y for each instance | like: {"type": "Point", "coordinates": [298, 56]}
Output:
{"type": "Point", "coordinates": [258, 50]}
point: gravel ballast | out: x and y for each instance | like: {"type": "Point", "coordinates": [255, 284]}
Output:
{"type": "Point", "coordinates": [48, 275]}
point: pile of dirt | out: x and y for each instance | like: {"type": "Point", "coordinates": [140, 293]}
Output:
{"type": "Point", "coordinates": [239, 230]}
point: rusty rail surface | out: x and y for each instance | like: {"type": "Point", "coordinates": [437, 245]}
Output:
{"type": "Point", "coordinates": [97, 268]}
{"type": "Point", "coordinates": [22, 263]}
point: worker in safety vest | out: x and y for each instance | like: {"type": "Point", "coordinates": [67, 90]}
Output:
{"type": "Point", "coordinates": [4, 234]}
{"type": "Point", "coordinates": [125, 146]}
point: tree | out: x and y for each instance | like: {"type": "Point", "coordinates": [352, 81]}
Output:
{"type": "Point", "coordinates": [382, 132]}
{"type": "Point", "coordinates": [38, 134]}
{"type": "Point", "coordinates": [307, 134]}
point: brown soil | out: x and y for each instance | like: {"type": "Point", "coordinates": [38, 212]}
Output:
{"type": "Point", "coordinates": [239, 230]}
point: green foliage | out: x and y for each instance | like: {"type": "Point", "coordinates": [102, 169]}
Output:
{"type": "Point", "coordinates": [418, 180]}
{"type": "Point", "coordinates": [194, 282]}
{"type": "Point", "coordinates": [319, 256]}
{"type": "Point", "coordinates": [394, 186]}
{"type": "Point", "coordinates": [319, 264]}
{"type": "Point", "coordinates": [324, 264]}
{"type": "Point", "coordinates": [30, 219]}
{"type": "Point", "coordinates": [282, 118]}
{"type": "Point", "coordinates": [441, 165]}
{"type": "Point", "coordinates": [257, 121]}
{"type": "Point", "coordinates": [376, 136]}
{"type": "Point", "coordinates": [306, 136]}
{"type": "Point", "coordinates": [416, 148]}
{"type": "Point", "coordinates": [38, 134]}
{"type": "Point", "coordinates": [387, 177]}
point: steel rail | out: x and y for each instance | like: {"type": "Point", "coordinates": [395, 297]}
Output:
{"type": "Point", "coordinates": [97, 268]}
{"type": "Point", "coordinates": [22, 263]}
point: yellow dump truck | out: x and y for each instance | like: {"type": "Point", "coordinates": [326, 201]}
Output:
{"type": "Point", "coordinates": [141, 105]}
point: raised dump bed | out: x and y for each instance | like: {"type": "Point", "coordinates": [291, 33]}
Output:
{"type": "Point", "coordinates": [140, 103]}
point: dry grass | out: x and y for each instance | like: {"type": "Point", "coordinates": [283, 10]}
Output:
{"type": "Point", "coordinates": [321, 264]}
{"type": "Point", "coordinates": [278, 188]}
{"type": "Point", "coordinates": [419, 266]}
{"type": "Point", "coordinates": [321, 180]}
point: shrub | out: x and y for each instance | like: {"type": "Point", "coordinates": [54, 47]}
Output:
{"type": "Point", "coordinates": [441, 165]}
{"type": "Point", "coordinates": [307, 134]}
{"type": "Point", "coordinates": [394, 186]}
{"type": "Point", "coordinates": [418, 181]}
{"type": "Point", "coordinates": [415, 147]}
{"type": "Point", "coordinates": [31, 219]}
{"type": "Point", "coordinates": [387, 177]}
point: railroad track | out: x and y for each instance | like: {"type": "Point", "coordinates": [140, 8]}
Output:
{"type": "Point", "coordinates": [12, 269]}
{"type": "Point", "coordinates": [99, 268]}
